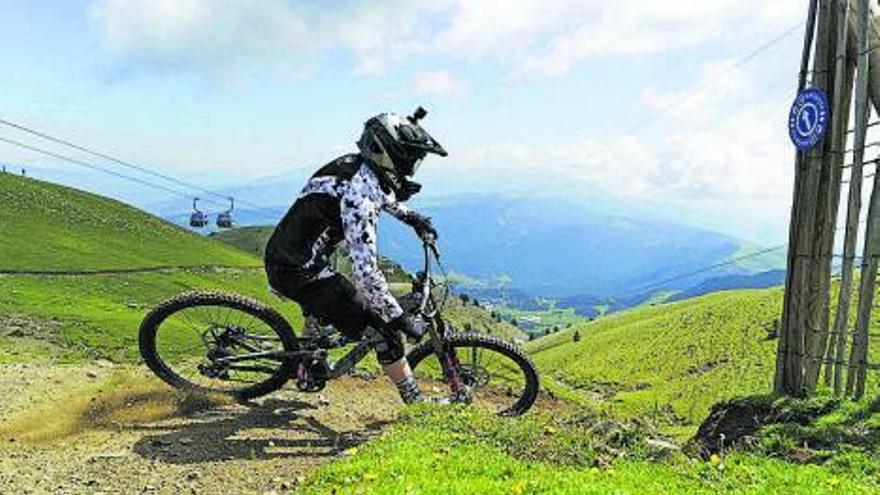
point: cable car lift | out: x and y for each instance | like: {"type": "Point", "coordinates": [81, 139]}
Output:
{"type": "Point", "coordinates": [197, 219]}
{"type": "Point", "coordinates": [224, 220]}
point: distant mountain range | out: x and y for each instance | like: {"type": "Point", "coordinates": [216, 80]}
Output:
{"type": "Point", "coordinates": [600, 252]}
{"type": "Point", "coordinates": [760, 280]}
{"type": "Point", "coordinates": [557, 248]}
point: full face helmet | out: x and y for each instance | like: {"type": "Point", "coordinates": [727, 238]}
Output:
{"type": "Point", "coordinates": [396, 146]}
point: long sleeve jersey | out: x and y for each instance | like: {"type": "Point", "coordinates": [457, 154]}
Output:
{"type": "Point", "coordinates": [340, 203]}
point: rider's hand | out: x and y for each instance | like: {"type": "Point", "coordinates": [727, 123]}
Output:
{"type": "Point", "coordinates": [423, 226]}
{"type": "Point", "coordinates": [405, 324]}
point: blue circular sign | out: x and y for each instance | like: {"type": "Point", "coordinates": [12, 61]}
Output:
{"type": "Point", "coordinates": [808, 119]}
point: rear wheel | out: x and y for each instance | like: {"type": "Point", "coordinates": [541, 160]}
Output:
{"type": "Point", "coordinates": [501, 377]}
{"type": "Point", "coordinates": [184, 341]}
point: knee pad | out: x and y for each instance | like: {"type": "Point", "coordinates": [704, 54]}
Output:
{"type": "Point", "coordinates": [390, 350]}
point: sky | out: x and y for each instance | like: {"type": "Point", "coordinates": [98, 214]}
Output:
{"type": "Point", "coordinates": [654, 103]}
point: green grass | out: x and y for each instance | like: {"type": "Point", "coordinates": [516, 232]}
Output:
{"type": "Point", "coordinates": [467, 316]}
{"type": "Point", "coordinates": [661, 365]}
{"type": "Point", "coordinates": [670, 362]}
{"type": "Point", "coordinates": [820, 429]}
{"type": "Point", "coordinates": [252, 238]}
{"type": "Point", "coordinates": [99, 315]}
{"type": "Point", "coordinates": [51, 227]}
{"type": "Point", "coordinates": [464, 452]}
{"type": "Point", "coordinates": [552, 319]}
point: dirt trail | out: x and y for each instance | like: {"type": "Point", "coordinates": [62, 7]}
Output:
{"type": "Point", "coordinates": [68, 430]}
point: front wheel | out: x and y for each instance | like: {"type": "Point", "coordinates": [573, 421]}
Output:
{"type": "Point", "coordinates": [499, 375]}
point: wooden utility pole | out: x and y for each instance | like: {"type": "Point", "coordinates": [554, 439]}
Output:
{"type": "Point", "coordinates": [783, 382]}
{"type": "Point", "coordinates": [802, 296]}
{"type": "Point", "coordinates": [829, 194]}
{"type": "Point", "coordinates": [845, 39]}
{"type": "Point", "coordinates": [843, 91]}
{"type": "Point", "coordinates": [837, 344]}
{"type": "Point", "coordinates": [858, 362]}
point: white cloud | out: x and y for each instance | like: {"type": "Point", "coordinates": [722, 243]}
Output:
{"type": "Point", "coordinates": [543, 37]}
{"type": "Point", "coordinates": [722, 153]}
{"type": "Point", "coordinates": [725, 149]}
{"type": "Point", "coordinates": [211, 35]}
{"type": "Point", "coordinates": [647, 28]}
{"type": "Point", "coordinates": [438, 82]}
{"type": "Point", "coordinates": [717, 80]}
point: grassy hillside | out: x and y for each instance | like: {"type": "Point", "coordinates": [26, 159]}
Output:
{"type": "Point", "coordinates": [97, 316]}
{"type": "Point", "coordinates": [51, 227]}
{"type": "Point", "coordinates": [638, 377]}
{"type": "Point", "coordinates": [473, 318]}
{"type": "Point", "coordinates": [464, 452]}
{"type": "Point", "coordinates": [72, 318]}
{"type": "Point", "coordinates": [628, 374]}
{"type": "Point", "coordinates": [670, 362]}
{"type": "Point", "coordinates": [252, 238]}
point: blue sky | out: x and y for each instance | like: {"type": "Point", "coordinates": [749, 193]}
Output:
{"type": "Point", "coordinates": [531, 96]}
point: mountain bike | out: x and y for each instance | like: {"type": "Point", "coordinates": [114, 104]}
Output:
{"type": "Point", "coordinates": [213, 342]}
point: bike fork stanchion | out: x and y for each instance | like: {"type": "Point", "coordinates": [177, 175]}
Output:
{"type": "Point", "coordinates": [449, 363]}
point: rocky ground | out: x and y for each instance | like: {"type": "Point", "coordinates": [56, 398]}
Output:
{"type": "Point", "coordinates": [103, 428]}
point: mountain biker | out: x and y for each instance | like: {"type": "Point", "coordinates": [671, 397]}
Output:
{"type": "Point", "coordinates": [341, 203]}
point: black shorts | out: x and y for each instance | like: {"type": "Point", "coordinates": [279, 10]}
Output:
{"type": "Point", "coordinates": [336, 301]}
{"type": "Point", "coordinates": [332, 300]}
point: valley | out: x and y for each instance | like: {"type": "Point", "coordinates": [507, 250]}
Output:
{"type": "Point", "coordinates": [586, 255]}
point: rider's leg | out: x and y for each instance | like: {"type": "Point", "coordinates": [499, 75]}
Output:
{"type": "Point", "coordinates": [390, 354]}
{"type": "Point", "coordinates": [332, 299]}
{"type": "Point", "coordinates": [402, 377]}
{"type": "Point", "coordinates": [337, 301]}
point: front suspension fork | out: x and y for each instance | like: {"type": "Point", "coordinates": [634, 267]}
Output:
{"type": "Point", "coordinates": [448, 358]}
{"type": "Point", "coordinates": [450, 365]}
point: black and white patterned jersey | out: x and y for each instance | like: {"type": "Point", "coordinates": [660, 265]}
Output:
{"type": "Point", "coordinates": [340, 203]}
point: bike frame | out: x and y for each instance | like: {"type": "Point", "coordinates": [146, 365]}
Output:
{"type": "Point", "coordinates": [427, 310]}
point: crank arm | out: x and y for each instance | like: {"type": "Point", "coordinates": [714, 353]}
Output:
{"type": "Point", "coordinates": [255, 369]}
{"type": "Point", "coordinates": [276, 355]}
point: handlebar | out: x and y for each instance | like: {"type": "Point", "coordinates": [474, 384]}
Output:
{"type": "Point", "coordinates": [430, 243]}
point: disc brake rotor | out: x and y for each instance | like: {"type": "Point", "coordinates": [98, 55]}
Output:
{"type": "Point", "coordinates": [474, 376]}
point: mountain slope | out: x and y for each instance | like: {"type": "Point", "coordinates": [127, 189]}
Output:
{"type": "Point", "coordinates": [759, 280]}
{"type": "Point", "coordinates": [51, 227]}
{"type": "Point", "coordinates": [77, 317]}
{"type": "Point", "coordinates": [670, 361]}
{"type": "Point", "coordinates": [252, 238]}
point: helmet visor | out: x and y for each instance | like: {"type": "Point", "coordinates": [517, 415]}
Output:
{"type": "Point", "coordinates": [415, 137]}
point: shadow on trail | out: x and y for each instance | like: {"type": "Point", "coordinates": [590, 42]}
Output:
{"type": "Point", "coordinates": [276, 428]}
